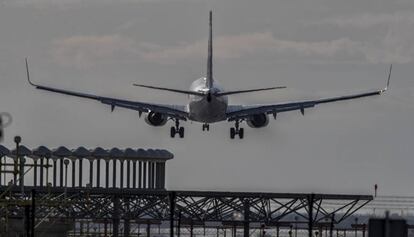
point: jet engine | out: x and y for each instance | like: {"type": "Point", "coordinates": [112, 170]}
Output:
{"type": "Point", "coordinates": [156, 119]}
{"type": "Point", "coordinates": [258, 121]}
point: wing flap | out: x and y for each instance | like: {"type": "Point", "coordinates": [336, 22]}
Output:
{"type": "Point", "coordinates": [170, 90]}
{"type": "Point", "coordinates": [248, 91]}
{"type": "Point", "coordinates": [242, 112]}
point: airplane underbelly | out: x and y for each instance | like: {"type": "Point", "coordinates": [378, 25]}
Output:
{"type": "Point", "coordinates": [208, 112]}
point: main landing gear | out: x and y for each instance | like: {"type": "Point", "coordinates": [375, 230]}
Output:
{"type": "Point", "coordinates": [177, 129]}
{"type": "Point", "coordinates": [206, 127]}
{"type": "Point", "coordinates": [237, 131]}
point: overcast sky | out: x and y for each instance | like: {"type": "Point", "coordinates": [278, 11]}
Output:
{"type": "Point", "coordinates": [316, 48]}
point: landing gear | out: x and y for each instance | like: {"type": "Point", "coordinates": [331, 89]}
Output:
{"type": "Point", "coordinates": [206, 127]}
{"type": "Point", "coordinates": [177, 129]}
{"type": "Point", "coordinates": [237, 131]}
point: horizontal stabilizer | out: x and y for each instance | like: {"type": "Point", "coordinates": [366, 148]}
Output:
{"type": "Point", "coordinates": [248, 91]}
{"type": "Point", "coordinates": [171, 90]}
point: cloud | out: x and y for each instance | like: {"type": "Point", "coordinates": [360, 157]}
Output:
{"type": "Point", "coordinates": [230, 47]}
{"type": "Point", "coordinates": [394, 45]}
{"type": "Point", "coordinates": [367, 20]}
{"type": "Point", "coordinates": [64, 4]}
{"type": "Point", "coordinates": [85, 51]}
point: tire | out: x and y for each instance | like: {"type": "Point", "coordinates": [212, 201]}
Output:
{"type": "Point", "coordinates": [172, 132]}
{"type": "Point", "coordinates": [232, 133]}
{"type": "Point", "coordinates": [208, 127]}
{"type": "Point", "coordinates": [181, 132]}
{"type": "Point", "coordinates": [241, 133]}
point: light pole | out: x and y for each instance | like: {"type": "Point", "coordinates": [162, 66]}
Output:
{"type": "Point", "coordinates": [296, 226]}
{"type": "Point", "coordinates": [17, 140]}
{"type": "Point", "coordinates": [66, 162]}
{"type": "Point", "coordinates": [356, 226]}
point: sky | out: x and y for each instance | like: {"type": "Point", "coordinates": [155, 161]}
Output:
{"type": "Point", "coordinates": [316, 48]}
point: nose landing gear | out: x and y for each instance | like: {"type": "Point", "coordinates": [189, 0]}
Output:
{"type": "Point", "coordinates": [206, 127]}
{"type": "Point", "coordinates": [237, 131]}
{"type": "Point", "coordinates": [177, 129]}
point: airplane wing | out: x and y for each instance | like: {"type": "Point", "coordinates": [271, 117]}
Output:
{"type": "Point", "coordinates": [173, 111]}
{"type": "Point", "coordinates": [242, 111]}
{"type": "Point", "coordinates": [239, 112]}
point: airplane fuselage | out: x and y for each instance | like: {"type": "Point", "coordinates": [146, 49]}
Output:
{"type": "Point", "coordinates": [209, 108]}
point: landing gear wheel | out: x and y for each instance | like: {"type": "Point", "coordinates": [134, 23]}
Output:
{"type": "Point", "coordinates": [181, 132]}
{"type": "Point", "coordinates": [206, 127]}
{"type": "Point", "coordinates": [232, 133]}
{"type": "Point", "coordinates": [172, 132]}
{"type": "Point", "coordinates": [177, 129]}
{"type": "Point", "coordinates": [241, 133]}
{"type": "Point", "coordinates": [237, 130]}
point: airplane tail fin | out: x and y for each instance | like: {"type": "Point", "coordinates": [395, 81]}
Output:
{"type": "Point", "coordinates": [171, 90]}
{"type": "Point", "coordinates": [209, 81]}
{"type": "Point", "coordinates": [248, 91]}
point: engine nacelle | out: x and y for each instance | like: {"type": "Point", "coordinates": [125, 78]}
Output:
{"type": "Point", "coordinates": [156, 119]}
{"type": "Point", "coordinates": [258, 121]}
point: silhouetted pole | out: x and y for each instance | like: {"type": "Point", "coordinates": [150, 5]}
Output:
{"type": "Point", "coordinates": [80, 172]}
{"type": "Point", "coordinates": [332, 225]}
{"type": "Point", "coordinates": [121, 179]}
{"type": "Point", "coordinates": [115, 219]}
{"type": "Point", "coordinates": [140, 174]}
{"type": "Point", "coordinates": [42, 166]}
{"type": "Point", "coordinates": [296, 226]}
{"type": "Point", "coordinates": [128, 173]}
{"type": "Point", "coordinates": [114, 173]}
{"type": "Point", "coordinates": [179, 224]}
{"type": "Point", "coordinates": [134, 174]}
{"type": "Point", "coordinates": [26, 221]}
{"type": "Point", "coordinates": [277, 230]}
{"type": "Point", "coordinates": [32, 225]}
{"type": "Point", "coordinates": [61, 172]}
{"type": "Point", "coordinates": [144, 175]}
{"type": "Point", "coordinates": [356, 226]}
{"type": "Point", "coordinates": [106, 173]}
{"type": "Point", "coordinates": [66, 162]}
{"type": "Point", "coordinates": [35, 172]}
{"type": "Point", "coordinates": [47, 171]}
{"type": "Point", "coordinates": [91, 172]}
{"type": "Point", "coordinates": [246, 219]}
{"type": "Point", "coordinates": [172, 196]}
{"type": "Point", "coordinates": [311, 199]}
{"type": "Point", "coordinates": [73, 172]}
{"type": "Point", "coordinates": [149, 229]}
{"type": "Point", "coordinates": [54, 172]}
{"type": "Point", "coordinates": [17, 140]}
{"type": "Point", "coordinates": [98, 173]}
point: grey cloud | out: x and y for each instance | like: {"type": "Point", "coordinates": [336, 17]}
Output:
{"type": "Point", "coordinates": [67, 4]}
{"type": "Point", "coordinates": [367, 20]}
{"type": "Point", "coordinates": [395, 46]}
{"type": "Point", "coordinates": [86, 51]}
{"type": "Point", "coordinates": [227, 47]}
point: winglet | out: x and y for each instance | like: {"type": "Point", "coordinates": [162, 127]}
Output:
{"type": "Point", "coordinates": [388, 80]}
{"type": "Point", "coordinates": [28, 74]}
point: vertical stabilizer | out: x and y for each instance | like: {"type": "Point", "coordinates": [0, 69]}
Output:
{"type": "Point", "coordinates": [209, 82]}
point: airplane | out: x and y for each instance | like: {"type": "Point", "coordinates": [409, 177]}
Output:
{"type": "Point", "coordinates": [208, 102]}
